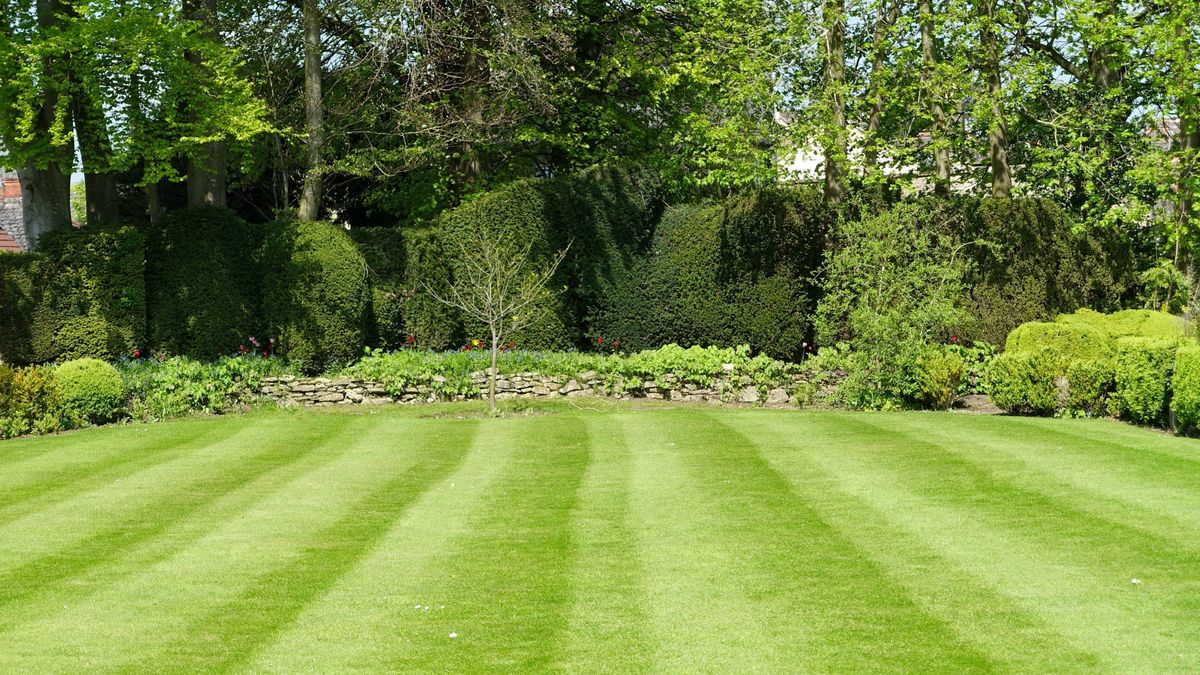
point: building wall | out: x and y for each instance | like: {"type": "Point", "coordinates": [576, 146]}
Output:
{"type": "Point", "coordinates": [11, 218]}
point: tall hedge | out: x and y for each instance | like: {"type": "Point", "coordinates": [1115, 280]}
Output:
{"type": "Point", "coordinates": [315, 294]}
{"type": "Point", "coordinates": [82, 295]}
{"type": "Point", "coordinates": [1143, 378]}
{"type": "Point", "coordinates": [203, 282]}
{"type": "Point", "coordinates": [733, 272]}
{"type": "Point", "coordinates": [1185, 389]}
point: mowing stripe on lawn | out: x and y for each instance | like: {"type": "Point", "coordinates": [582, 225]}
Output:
{"type": "Point", "coordinates": [363, 621]}
{"type": "Point", "coordinates": [142, 615]}
{"type": "Point", "coordinates": [164, 527]}
{"type": "Point", "coordinates": [505, 583]}
{"type": "Point", "coordinates": [958, 513]}
{"type": "Point", "coordinates": [1140, 443]}
{"type": "Point", "coordinates": [50, 479]}
{"type": "Point", "coordinates": [1013, 637]}
{"type": "Point", "coordinates": [237, 629]}
{"type": "Point", "coordinates": [609, 628]}
{"type": "Point", "coordinates": [737, 564]}
{"type": "Point", "coordinates": [1116, 487]}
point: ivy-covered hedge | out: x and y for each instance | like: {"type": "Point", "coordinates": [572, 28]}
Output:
{"type": "Point", "coordinates": [315, 293]}
{"type": "Point", "coordinates": [203, 282]}
{"type": "Point", "coordinates": [738, 271]}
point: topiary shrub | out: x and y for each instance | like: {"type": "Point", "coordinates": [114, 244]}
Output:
{"type": "Point", "coordinates": [315, 293]}
{"type": "Point", "coordinates": [29, 401]}
{"type": "Point", "coordinates": [1090, 383]}
{"type": "Point", "coordinates": [92, 391]}
{"type": "Point", "coordinates": [1060, 343]}
{"type": "Point", "coordinates": [90, 273]}
{"type": "Point", "coordinates": [1143, 377]}
{"type": "Point", "coordinates": [1185, 389]}
{"type": "Point", "coordinates": [203, 282]}
{"type": "Point", "coordinates": [1023, 383]}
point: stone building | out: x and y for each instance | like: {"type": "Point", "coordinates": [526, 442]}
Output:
{"type": "Point", "coordinates": [12, 222]}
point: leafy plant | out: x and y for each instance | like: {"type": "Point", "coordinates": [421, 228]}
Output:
{"type": "Point", "coordinates": [1023, 382]}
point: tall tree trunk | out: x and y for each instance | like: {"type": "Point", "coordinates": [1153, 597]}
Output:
{"type": "Point", "coordinates": [939, 137]}
{"type": "Point", "coordinates": [206, 182]}
{"type": "Point", "coordinates": [834, 15]}
{"type": "Point", "coordinates": [997, 129]}
{"type": "Point", "coordinates": [310, 196]}
{"type": "Point", "coordinates": [99, 182]}
{"type": "Point", "coordinates": [885, 19]}
{"type": "Point", "coordinates": [46, 184]}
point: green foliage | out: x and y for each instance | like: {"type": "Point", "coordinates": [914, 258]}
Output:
{"type": "Point", "coordinates": [181, 386]}
{"type": "Point", "coordinates": [976, 359]}
{"type": "Point", "coordinates": [1129, 323]}
{"type": "Point", "coordinates": [734, 272]}
{"type": "Point", "coordinates": [202, 282]}
{"type": "Point", "coordinates": [1090, 383]}
{"type": "Point", "coordinates": [892, 288]}
{"type": "Point", "coordinates": [1023, 382]}
{"type": "Point", "coordinates": [29, 401]}
{"type": "Point", "coordinates": [1185, 389]}
{"type": "Point", "coordinates": [941, 372]}
{"type": "Point", "coordinates": [1143, 377]}
{"type": "Point", "coordinates": [91, 391]}
{"type": "Point", "coordinates": [315, 294]}
{"type": "Point", "coordinates": [91, 280]}
{"type": "Point", "coordinates": [1060, 343]}
{"type": "Point", "coordinates": [1165, 288]}
{"type": "Point", "coordinates": [23, 278]}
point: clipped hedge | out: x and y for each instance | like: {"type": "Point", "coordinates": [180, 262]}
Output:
{"type": "Point", "coordinates": [315, 294]}
{"type": "Point", "coordinates": [203, 282]}
{"type": "Point", "coordinates": [1023, 382]}
{"type": "Point", "coordinates": [735, 272]}
{"type": "Point", "coordinates": [91, 391]}
{"type": "Point", "coordinates": [22, 287]}
{"type": "Point", "coordinates": [1143, 376]}
{"type": "Point", "coordinates": [1061, 344]}
{"type": "Point", "coordinates": [1129, 323]}
{"type": "Point", "coordinates": [1185, 389]}
{"type": "Point", "coordinates": [1090, 383]}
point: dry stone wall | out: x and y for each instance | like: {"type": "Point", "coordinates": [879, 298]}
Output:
{"type": "Point", "coordinates": [319, 391]}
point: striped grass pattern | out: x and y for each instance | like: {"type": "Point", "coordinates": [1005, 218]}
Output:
{"type": "Point", "coordinates": [662, 539]}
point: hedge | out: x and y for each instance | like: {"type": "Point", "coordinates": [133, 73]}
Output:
{"type": "Point", "coordinates": [1061, 344]}
{"type": "Point", "coordinates": [1090, 383]}
{"type": "Point", "coordinates": [1143, 376]}
{"type": "Point", "coordinates": [203, 282]}
{"type": "Point", "coordinates": [22, 287]}
{"type": "Point", "coordinates": [314, 293]}
{"type": "Point", "coordinates": [1129, 323]}
{"type": "Point", "coordinates": [1023, 382]}
{"type": "Point", "coordinates": [738, 271]}
{"type": "Point", "coordinates": [1185, 389]}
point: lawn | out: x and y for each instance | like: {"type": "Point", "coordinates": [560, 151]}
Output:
{"type": "Point", "coordinates": [687, 539]}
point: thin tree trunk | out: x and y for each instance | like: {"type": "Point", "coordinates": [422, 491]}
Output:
{"type": "Point", "coordinates": [997, 129]}
{"type": "Point", "coordinates": [310, 196]}
{"type": "Point", "coordinates": [99, 182]}
{"type": "Point", "coordinates": [939, 137]}
{"type": "Point", "coordinates": [492, 373]}
{"type": "Point", "coordinates": [206, 181]}
{"type": "Point", "coordinates": [886, 18]}
{"type": "Point", "coordinates": [834, 15]}
{"type": "Point", "coordinates": [1189, 156]}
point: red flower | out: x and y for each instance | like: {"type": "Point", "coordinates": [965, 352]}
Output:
{"type": "Point", "coordinates": [954, 338]}
{"type": "Point", "coordinates": [616, 343]}
{"type": "Point", "coordinates": [410, 339]}
{"type": "Point", "coordinates": [137, 353]}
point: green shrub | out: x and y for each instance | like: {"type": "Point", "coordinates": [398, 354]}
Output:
{"type": "Point", "coordinates": [203, 283]}
{"type": "Point", "coordinates": [941, 372]}
{"type": "Point", "coordinates": [92, 391]}
{"type": "Point", "coordinates": [1185, 389]}
{"type": "Point", "coordinates": [1143, 375]}
{"type": "Point", "coordinates": [315, 293]}
{"type": "Point", "coordinates": [22, 287]}
{"type": "Point", "coordinates": [1023, 382]}
{"type": "Point", "coordinates": [29, 401]}
{"type": "Point", "coordinates": [90, 273]}
{"type": "Point", "coordinates": [1090, 383]}
{"type": "Point", "coordinates": [181, 386]}
{"type": "Point", "coordinates": [1060, 343]}
{"type": "Point", "coordinates": [738, 271]}
{"type": "Point", "coordinates": [1129, 323]}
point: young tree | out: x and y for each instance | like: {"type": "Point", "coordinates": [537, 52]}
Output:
{"type": "Point", "coordinates": [497, 283]}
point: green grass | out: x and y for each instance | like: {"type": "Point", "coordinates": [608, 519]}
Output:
{"type": "Point", "coordinates": [677, 539]}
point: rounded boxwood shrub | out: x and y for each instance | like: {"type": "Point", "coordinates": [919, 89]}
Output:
{"type": "Point", "coordinates": [1060, 343]}
{"type": "Point", "coordinates": [91, 390]}
{"type": "Point", "coordinates": [1185, 389]}
{"type": "Point", "coordinates": [315, 293]}
{"type": "Point", "coordinates": [1023, 382]}
{"type": "Point", "coordinates": [1090, 383]}
{"type": "Point", "coordinates": [203, 282]}
{"type": "Point", "coordinates": [1143, 378]}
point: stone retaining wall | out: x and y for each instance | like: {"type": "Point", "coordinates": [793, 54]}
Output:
{"type": "Point", "coordinates": [321, 391]}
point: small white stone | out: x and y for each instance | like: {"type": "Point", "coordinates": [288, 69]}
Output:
{"type": "Point", "coordinates": [453, 635]}
{"type": "Point", "coordinates": [1135, 582]}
